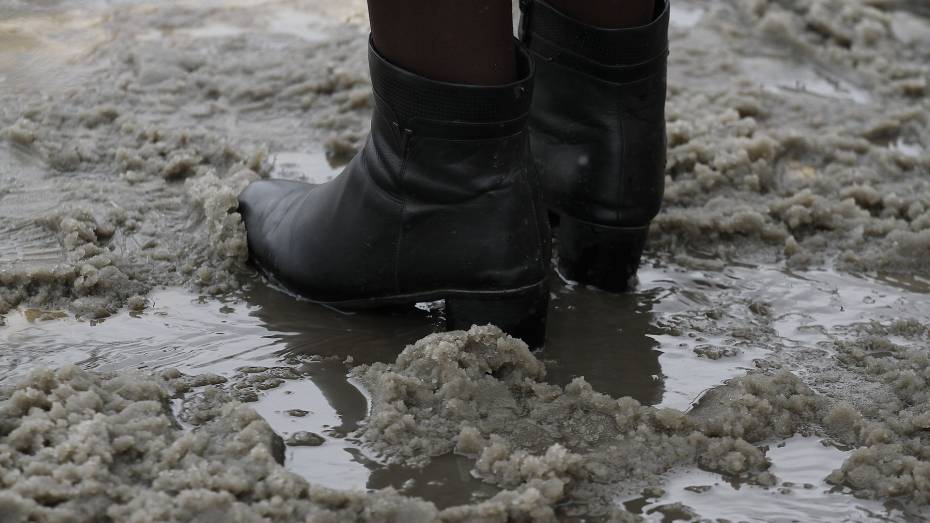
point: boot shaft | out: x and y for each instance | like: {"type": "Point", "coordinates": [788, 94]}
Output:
{"type": "Point", "coordinates": [457, 159]}
{"type": "Point", "coordinates": [598, 115]}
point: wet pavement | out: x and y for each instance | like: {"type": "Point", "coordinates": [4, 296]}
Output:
{"type": "Point", "coordinates": [653, 344]}
{"type": "Point", "coordinates": [801, 462]}
{"type": "Point", "coordinates": [636, 344]}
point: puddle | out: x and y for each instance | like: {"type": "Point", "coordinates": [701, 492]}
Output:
{"type": "Point", "coordinates": [911, 7]}
{"type": "Point", "coordinates": [909, 282]}
{"type": "Point", "coordinates": [297, 23]}
{"type": "Point", "coordinates": [618, 356]}
{"type": "Point", "coordinates": [215, 30]}
{"type": "Point", "coordinates": [330, 402]}
{"type": "Point", "coordinates": [305, 167]}
{"type": "Point", "coordinates": [641, 344]}
{"type": "Point", "coordinates": [633, 344]}
{"type": "Point", "coordinates": [681, 332]}
{"type": "Point", "coordinates": [685, 16]}
{"type": "Point", "coordinates": [780, 75]}
{"type": "Point", "coordinates": [446, 481]}
{"type": "Point", "coordinates": [304, 25]}
{"type": "Point", "coordinates": [906, 148]}
{"type": "Point", "coordinates": [41, 49]}
{"type": "Point", "coordinates": [800, 463]}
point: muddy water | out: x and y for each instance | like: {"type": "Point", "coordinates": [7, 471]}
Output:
{"type": "Point", "coordinates": [634, 346]}
{"type": "Point", "coordinates": [801, 462]}
{"type": "Point", "coordinates": [691, 324]}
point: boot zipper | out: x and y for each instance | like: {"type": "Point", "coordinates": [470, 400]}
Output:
{"type": "Point", "coordinates": [405, 136]}
{"type": "Point", "coordinates": [405, 142]}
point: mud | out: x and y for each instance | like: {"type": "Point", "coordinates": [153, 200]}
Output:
{"type": "Point", "coordinates": [800, 462]}
{"type": "Point", "coordinates": [583, 452]}
{"type": "Point", "coordinates": [894, 460]}
{"type": "Point", "coordinates": [84, 447]}
{"type": "Point", "coordinates": [77, 447]}
{"type": "Point", "coordinates": [484, 394]}
{"type": "Point", "coordinates": [555, 452]}
{"type": "Point", "coordinates": [800, 152]}
{"type": "Point", "coordinates": [810, 152]}
{"type": "Point", "coordinates": [797, 148]}
{"type": "Point", "coordinates": [133, 199]}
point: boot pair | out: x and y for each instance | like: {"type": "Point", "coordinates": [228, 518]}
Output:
{"type": "Point", "coordinates": [450, 195]}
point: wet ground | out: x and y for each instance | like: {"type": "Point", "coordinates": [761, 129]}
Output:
{"type": "Point", "coordinates": [692, 322]}
{"type": "Point", "coordinates": [636, 345]}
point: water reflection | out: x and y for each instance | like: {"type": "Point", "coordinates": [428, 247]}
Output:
{"type": "Point", "coordinates": [615, 354]}
{"type": "Point", "coordinates": [781, 75]}
{"type": "Point", "coordinates": [641, 344]}
{"type": "Point", "coordinates": [606, 338]}
{"type": "Point", "coordinates": [800, 463]}
{"type": "Point", "coordinates": [303, 328]}
{"type": "Point", "coordinates": [446, 481]}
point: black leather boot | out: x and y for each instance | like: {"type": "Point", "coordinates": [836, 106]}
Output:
{"type": "Point", "coordinates": [439, 204]}
{"type": "Point", "coordinates": [597, 129]}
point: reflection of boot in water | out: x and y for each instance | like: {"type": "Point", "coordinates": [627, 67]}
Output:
{"type": "Point", "coordinates": [439, 204]}
{"type": "Point", "coordinates": [598, 132]}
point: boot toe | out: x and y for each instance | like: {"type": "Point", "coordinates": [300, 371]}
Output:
{"type": "Point", "coordinates": [263, 205]}
{"type": "Point", "coordinates": [262, 196]}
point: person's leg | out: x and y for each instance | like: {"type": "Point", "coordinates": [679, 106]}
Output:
{"type": "Point", "coordinates": [459, 41]}
{"type": "Point", "coordinates": [608, 13]}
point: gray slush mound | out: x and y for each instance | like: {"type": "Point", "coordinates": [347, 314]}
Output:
{"type": "Point", "coordinates": [76, 446]}
{"type": "Point", "coordinates": [81, 446]}
{"type": "Point", "coordinates": [482, 394]}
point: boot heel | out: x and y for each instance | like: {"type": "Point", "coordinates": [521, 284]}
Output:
{"type": "Point", "coordinates": [553, 220]}
{"type": "Point", "coordinates": [605, 257]}
{"type": "Point", "coordinates": [521, 315]}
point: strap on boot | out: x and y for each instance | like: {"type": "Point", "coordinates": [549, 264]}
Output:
{"type": "Point", "coordinates": [419, 105]}
{"type": "Point", "coordinates": [616, 55]}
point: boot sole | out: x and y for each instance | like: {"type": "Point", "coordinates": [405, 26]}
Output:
{"type": "Point", "coordinates": [604, 257]}
{"type": "Point", "coordinates": [519, 312]}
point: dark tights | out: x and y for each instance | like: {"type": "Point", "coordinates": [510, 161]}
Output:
{"type": "Point", "coordinates": [461, 41]}
{"type": "Point", "coordinates": [471, 41]}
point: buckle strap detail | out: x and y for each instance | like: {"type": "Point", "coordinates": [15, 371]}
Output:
{"type": "Point", "coordinates": [417, 102]}
{"type": "Point", "coordinates": [609, 47]}
{"type": "Point", "coordinates": [545, 51]}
